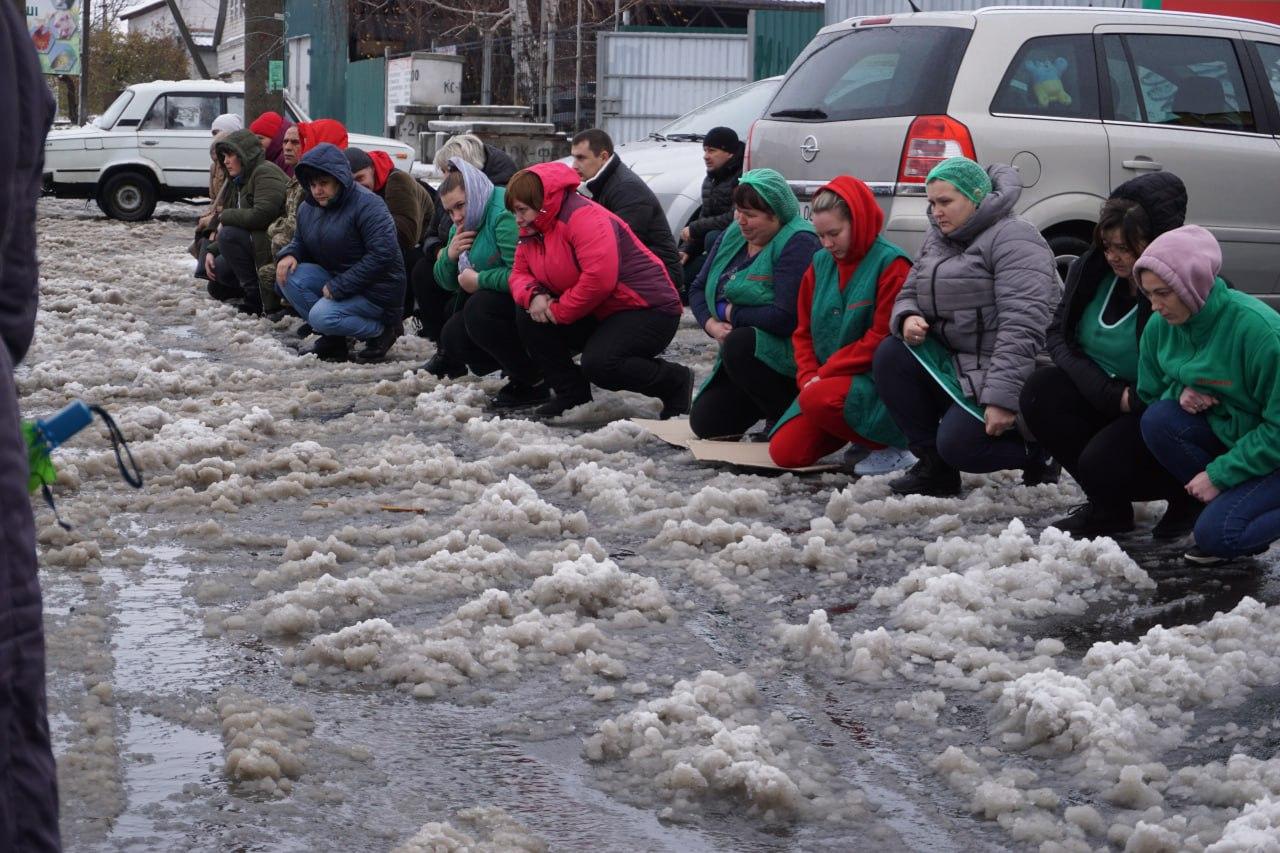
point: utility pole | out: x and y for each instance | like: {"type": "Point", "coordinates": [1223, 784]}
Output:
{"type": "Point", "coordinates": [83, 117]}
{"type": "Point", "coordinates": [486, 69]}
{"type": "Point", "coordinates": [577, 75]}
{"type": "Point", "coordinates": [551, 21]}
{"type": "Point", "coordinates": [263, 58]}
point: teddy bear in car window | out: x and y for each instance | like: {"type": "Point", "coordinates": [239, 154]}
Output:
{"type": "Point", "coordinates": [1046, 80]}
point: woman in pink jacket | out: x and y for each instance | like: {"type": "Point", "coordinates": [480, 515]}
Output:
{"type": "Point", "coordinates": [588, 285]}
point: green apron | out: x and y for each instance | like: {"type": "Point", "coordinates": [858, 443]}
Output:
{"type": "Point", "coordinates": [1114, 347]}
{"type": "Point", "coordinates": [937, 359]}
{"type": "Point", "coordinates": [838, 319]}
{"type": "Point", "coordinates": [753, 286]}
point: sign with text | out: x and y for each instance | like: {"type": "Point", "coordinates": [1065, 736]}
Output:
{"type": "Point", "coordinates": [54, 26]}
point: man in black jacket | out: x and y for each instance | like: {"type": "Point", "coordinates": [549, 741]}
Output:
{"type": "Point", "coordinates": [626, 195]}
{"type": "Point", "coordinates": [28, 790]}
{"type": "Point", "coordinates": [722, 155]}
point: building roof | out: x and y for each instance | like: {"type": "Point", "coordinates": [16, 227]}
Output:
{"type": "Point", "coordinates": [138, 8]}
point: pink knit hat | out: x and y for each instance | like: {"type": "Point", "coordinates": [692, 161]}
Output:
{"type": "Point", "coordinates": [1188, 258]}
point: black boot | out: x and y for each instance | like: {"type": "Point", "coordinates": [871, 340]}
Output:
{"type": "Point", "coordinates": [561, 403]}
{"type": "Point", "coordinates": [518, 395]}
{"type": "Point", "coordinates": [1041, 470]}
{"type": "Point", "coordinates": [680, 400]}
{"type": "Point", "coordinates": [929, 476]}
{"type": "Point", "coordinates": [1095, 519]}
{"type": "Point", "coordinates": [1179, 519]}
{"type": "Point", "coordinates": [441, 367]}
{"type": "Point", "coordinates": [329, 348]}
{"type": "Point", "coordinates": [224, 292]}
{"type": "Point", "coordinates": [376, 349]}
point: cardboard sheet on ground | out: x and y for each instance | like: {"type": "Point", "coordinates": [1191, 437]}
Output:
{"type": "Point", "coordinates": [746, 454]}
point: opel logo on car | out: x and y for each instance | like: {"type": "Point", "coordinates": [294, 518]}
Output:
{"type": "Point", "coordinates": [809, 148]}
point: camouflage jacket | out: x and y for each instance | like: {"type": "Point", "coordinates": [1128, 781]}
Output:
{"type": "Point", "coordinates": [281, 231]}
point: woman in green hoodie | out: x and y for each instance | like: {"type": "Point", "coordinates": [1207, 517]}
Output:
{"type": "Point", "coordinates": [744, 298]}
{"type": "Point", "coordinates": [475, 266]}
{"type": "Point", "coordinates": [1209, 370]}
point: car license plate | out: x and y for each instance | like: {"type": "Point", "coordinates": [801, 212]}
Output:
{"type": "Point", "coordinates": [806, 210]}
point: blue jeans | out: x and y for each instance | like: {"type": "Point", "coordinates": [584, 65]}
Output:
{"type": "Point", "coordinates": [354, 317]}
{"type": "Point", "coordinates": [1242, 520]}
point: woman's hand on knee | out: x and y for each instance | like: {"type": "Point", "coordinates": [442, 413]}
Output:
{"type": "Point", "coordinates": [285, 268]}
{"type": "Point", "coordinates": [1202, 488]}
{"type": "Point", "coordinates": [915, 329]}
{"type": "Point", "coordinates": [998, 420]}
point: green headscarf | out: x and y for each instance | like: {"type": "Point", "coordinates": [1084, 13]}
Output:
{"type": "Point", "coordinates": [969, 178]}
{"type": "Point", "coordinates": [773, 188]}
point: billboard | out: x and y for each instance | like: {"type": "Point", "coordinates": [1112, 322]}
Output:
{"type": "Point", "coordinates": [54, 26]}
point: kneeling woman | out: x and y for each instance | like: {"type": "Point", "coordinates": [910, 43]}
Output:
{"type": "Point", "coordinates": [846, 297]}
{"type": "Point", "coordinates": [477, 261]}
{"type": "Point", "coordinates": [969, 324]}
{"type": "Point", "coordinates": [745, 299]}
{"type": "Point", "coordinates": [343, 270]}
{"type": "Point", "coordinates": [1209, 370]}
{"type": "Point", "coordinates": [588, 285]}
{"type": "Point", "coordinates": [1084, 408]}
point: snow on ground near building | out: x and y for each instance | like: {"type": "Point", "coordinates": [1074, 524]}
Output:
{"type": "Point", "coordinates": [353, 609]}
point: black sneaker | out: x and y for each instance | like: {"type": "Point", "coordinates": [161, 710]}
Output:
{"type": "Point", "coordinates": [1091, 519]}
{"type": "Point", "coordinates": [329, 348]}
{"type": "Point", "coordinates": [224, 292]}
{"type": "Point", "coordinates": [305, 330]}
{"type": "Point", "coordinates": [680, 401]}
{"type": "Point", "coordinates": [253, 309]}
{"type": "Point", "coordinates": [376, 349]}
{"type": "Point", "coordinates": [1197, 557]}
{"type": "Point", "coordinates": [442, 367]}
{"type": "Point", "coordinates": [1179, 519]}
{"type": "Point", "coordinates": [929, 476]}
{"type": "Point", "coordinates": [1042, 471]}
{"type": "Point", "coordinates": [561, 403]}
{"type": "Point", "coordinates": [518, 395]}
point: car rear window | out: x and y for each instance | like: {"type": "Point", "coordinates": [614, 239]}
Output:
{"type": "Point", "coordinates": [873, 72]}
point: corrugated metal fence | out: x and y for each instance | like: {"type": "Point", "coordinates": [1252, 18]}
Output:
{"type": "Point", "coordinates": [778, 36]}
{"type": "Point", "coordinates": [838, 10]}
{"type": "Point", "coordinates": [644, 80]}
{"type": "Point", "coordinates": [367, 96]}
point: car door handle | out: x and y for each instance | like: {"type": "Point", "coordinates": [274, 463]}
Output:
{"type": "Point", "coordinates": [1144, 164]}
{"type": "Point", "coordinates": [157, 142]}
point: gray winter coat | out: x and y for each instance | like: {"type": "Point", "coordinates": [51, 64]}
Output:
{"type": "Point", "coordinates": [28, 790]}
{"type": "Point", "coordinates": [987, 292]}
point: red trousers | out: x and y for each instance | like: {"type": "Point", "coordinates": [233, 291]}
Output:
{"type": "Point", "coordinates": [820, 427]}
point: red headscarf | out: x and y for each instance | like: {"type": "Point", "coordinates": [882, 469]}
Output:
{"type": "Point", "coordinates": [382, 168]}
{"type": "Point", "coordinates": [867, 220]}
{"type": "Point", "coordinates": [312, 133]}
{"type": "Point", "coordinates": [268, 124]}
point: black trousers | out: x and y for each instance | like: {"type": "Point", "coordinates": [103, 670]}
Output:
{"type": "Point", "coordinates": [433, 305]}
{"type": "Point", "coordinates": [484, 334]}
{"type": "Point", "coordinates": [619, 353]}
{"type": "Point", "coordinates": [741, 392]}
{"type": "Point", "coordinates": [412, 257]}
{"type": "Point", "coordinates": [238, 265]}
{"type": "Point", "coordinates": [933, 422]}
{"type": "Point", "coordinates": [1105, 454]}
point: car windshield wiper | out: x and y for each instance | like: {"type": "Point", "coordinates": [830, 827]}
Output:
{"type": "Point", "coordinates": [800, 112]}
{"type": "Point", "coordinates": [686, 137]}
{"type": "Point", "coordinates": [653, 134]}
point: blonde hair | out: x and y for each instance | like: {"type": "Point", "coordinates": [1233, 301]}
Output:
{"type": "Point", "coordinates": [827, 201]}
{"type": "Point", "coordinates": [468, 146]}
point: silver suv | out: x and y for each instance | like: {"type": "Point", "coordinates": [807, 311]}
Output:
{"type": "Point", "coordinates": [1079, 100]}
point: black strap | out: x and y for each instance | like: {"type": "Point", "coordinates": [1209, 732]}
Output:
{"type": "Point", "coordinates": [117, 442]}
{"type": "Point", "coordinates": [48, 498]}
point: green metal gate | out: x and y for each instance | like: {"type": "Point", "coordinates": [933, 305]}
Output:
{"type": "Point", "coordinates": [779, 36]}
{"type": "Point", "coordinates": [367, 96]}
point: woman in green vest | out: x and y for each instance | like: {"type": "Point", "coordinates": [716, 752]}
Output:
{"type": "Point", "coordinates": [1084, 408]}
{"type": "Point", "coordinates": [1209, 372]}
{"type": "Point", "coordinates": [745, 299]}
{"type": "Point", "coordinates": [476, 264]}
{"type": "Point", "coordinates": [846, 297]}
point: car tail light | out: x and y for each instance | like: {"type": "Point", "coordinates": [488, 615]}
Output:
{"type": "Point", "coordinates": [872, 22]}
{"type": "Point", "coordinates": [930, 140]}
{"type": "Point", "coordinates": [746, 157]}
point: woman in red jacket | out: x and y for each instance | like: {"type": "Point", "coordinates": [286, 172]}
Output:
{"type": "Point", "coordinates": [588, 285]}
{"type": "Point", "coordinates": [846, 297]}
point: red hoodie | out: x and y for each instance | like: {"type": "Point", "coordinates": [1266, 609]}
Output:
{"type": "Point", "coordinates": [585, 257]}
{"type": "Point", "coordinates": [855, 358]}
{"type": "Point", "coordinates": [382, 168]}
{"type": "Point", "coordinates": [312, 133]}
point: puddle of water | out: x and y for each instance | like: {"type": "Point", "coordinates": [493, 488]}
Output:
{"type": "Point", "coordinates": [157, 643]}
{"type": "Point", "coordinates": [159, 758]}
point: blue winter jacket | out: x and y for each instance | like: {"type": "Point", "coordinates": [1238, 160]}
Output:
{"type": "Point", "coordinates": [354, 237]}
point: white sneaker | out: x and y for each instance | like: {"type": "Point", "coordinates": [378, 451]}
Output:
{"type": "Point", "coordinates": [884, 461]}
